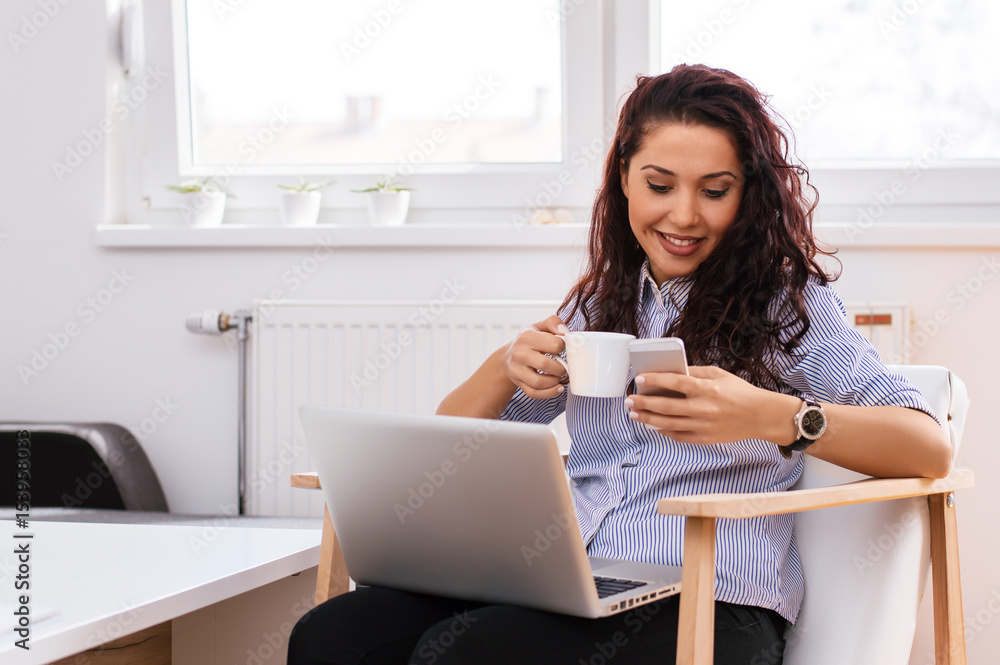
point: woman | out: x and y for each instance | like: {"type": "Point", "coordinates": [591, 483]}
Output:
{"type": "Point", "coordinates": [701, 230]}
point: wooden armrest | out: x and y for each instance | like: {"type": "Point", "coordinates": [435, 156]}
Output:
{"type": "Point", "coordinates": [741, 506]}
{"type": "Point", "coordinates": [309, 481]}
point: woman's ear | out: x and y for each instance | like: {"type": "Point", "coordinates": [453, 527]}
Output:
{"type": "Point", "coordinates": [623, 168]}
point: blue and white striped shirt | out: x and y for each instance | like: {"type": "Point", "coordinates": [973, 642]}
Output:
{"type": "Point", "coordinates": [620, 468]}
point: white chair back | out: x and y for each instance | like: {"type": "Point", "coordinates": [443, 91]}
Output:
{"type": "Point", "coordinates": [865, 566]}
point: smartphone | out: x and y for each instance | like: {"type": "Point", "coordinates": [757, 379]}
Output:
{"type": "Point", "coordinates": [663, 354]}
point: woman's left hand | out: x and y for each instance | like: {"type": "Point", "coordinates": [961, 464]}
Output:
{"type": "Point", "coordinates": [718, 407]}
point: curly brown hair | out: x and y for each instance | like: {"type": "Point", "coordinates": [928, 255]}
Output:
{"type": "Point", "coordinates": [735, 317]}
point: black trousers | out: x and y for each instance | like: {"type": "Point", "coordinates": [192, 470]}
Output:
{"type": "Point", "coordinates": [376, 626]}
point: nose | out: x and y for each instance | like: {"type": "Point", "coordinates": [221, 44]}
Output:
{"type": "Point", "coordinates": [684, 212]}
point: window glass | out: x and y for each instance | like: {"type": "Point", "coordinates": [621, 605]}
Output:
{"type": "Point", "coordinates": [385, 82]}
{"type": "Point", "coordinates": [857, 79]}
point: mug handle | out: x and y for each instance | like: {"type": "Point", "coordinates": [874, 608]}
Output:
{"type": "Point", "coordinates": [560, 360]}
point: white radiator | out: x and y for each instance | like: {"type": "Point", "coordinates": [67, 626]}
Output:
{"type": "Point", "coordinates": [402, 356]}
{"type": "Point", "coordinates": [393, 356]}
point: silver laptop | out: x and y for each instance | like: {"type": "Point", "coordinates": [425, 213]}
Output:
{"type": "Point", "coordinates": [466, 508]}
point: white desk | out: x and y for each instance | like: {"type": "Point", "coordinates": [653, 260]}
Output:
{"type": "Point", "coordinates": [110, 580]}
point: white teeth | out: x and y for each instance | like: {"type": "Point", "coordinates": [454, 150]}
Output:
{"type": "Point", "coordinates": [679, 243]}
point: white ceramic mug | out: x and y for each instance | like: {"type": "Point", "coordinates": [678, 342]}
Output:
{"type": "Point", "coordinates": [597, 363]}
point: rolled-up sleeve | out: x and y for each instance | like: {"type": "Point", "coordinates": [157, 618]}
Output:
{"type": "Point", "coordinates": [525, 409]}
{"type": "Point", "coordinates": [528, 410]}
{"type": "Point", "coordinates": [834, 363]}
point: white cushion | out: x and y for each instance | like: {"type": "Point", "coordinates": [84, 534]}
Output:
{"type": "Point", "coordinates": [865, 566]}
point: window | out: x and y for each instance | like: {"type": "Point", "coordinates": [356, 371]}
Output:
{"type": "Point", "coordinates": [863, 80]}
{"type": "Point", "coordinates": [494, 110]}
{"type": "Point", "coordinates": [892, 102]}
{"type": "Point", "coordinates": [391, 84]}
{"type": "Point", "coordinates": [466, 101]}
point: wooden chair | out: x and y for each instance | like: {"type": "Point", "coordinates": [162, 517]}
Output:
{"type": "Point", "coordinates": [861, 504]}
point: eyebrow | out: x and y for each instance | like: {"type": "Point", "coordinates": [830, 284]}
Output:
{"type": "Point", "coordinates": [707, 176]}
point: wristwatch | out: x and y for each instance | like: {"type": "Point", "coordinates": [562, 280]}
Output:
{"type": "Point", "coordinates": [810, 422]}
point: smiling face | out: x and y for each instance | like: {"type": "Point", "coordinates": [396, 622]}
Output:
{"type": "Point", "coordinates": [684, 188]}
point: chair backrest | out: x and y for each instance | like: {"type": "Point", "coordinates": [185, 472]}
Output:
{"type": "Point", "coordinates": [865, 566]}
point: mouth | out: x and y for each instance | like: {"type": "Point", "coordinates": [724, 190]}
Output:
{"type": "Point", "coordinates": [679, 245]}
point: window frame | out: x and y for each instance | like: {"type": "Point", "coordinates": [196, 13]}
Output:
{"type": "Point", "coordinates": [604, 45]}
{"type": "Point", "coordinates": [502, 194]}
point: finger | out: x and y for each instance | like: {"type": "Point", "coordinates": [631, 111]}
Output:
{"type": "Point", "coordinates": [543, 394]}
{"type": "Point", "coordinates": [552, 325]}
{"type": "Point", "coordinates": [550, 366]}
{"type": "Point", "coordinates": [689, 386]}
{"type": "Point", "coordinates": [678, 407]}
{"type": "Point", "coordinates": [527, 377]}
{"type": "Point", "coordinates": [536, 360]}
{"type": "Point", "coordinates": [680, 383]}
{"type": "Point", "coordinates": [707, 372]}
{"type": "Point", "coordinates": [677, 428]}
{"type": "Point", "coordinates": [537, 340]}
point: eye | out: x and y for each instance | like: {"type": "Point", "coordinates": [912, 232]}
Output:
{"type": "Point", "coordinates": [658, 188]}
{"type": "Point", "coordinates": [717, 193]}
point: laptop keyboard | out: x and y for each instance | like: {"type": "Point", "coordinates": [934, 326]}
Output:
{"type": "Point", "coordinates": [609, 586]}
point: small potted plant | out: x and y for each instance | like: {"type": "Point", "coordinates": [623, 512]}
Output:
{"type": "Point", "coordinates": [387, 202]}
{"type": "Point", "coordinates": [204, 203]}
{"type": "Point", "coordinates": [300, 203]}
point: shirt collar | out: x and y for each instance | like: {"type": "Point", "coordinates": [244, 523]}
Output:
{"type": "Point", "coordinates": [675, 290]}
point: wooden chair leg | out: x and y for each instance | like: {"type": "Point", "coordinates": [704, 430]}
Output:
{"type": "Point", "coordinates": [696, 626]}
{"type": "Point", "coordinates": [949, 629]}
{"type": "Point", "coordinates": [332, 578]}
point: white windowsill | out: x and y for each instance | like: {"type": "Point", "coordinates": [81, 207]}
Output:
{"type": "Point", "coordinates": [413, 235]}
{"type": "Point", "coordinates": [843, 235]}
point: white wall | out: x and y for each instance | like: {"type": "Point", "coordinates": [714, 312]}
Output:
{"type": "Point", "coordinates": [137, 351]}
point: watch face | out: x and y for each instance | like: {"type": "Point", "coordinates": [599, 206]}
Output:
{"type": "Point", "coordinates": [813, 422]}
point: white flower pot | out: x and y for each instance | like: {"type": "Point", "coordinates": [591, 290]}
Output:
{"type": "Point", "coordinates": [388, 208]}
{"type": "Point", "coordinates": [203, 208]}
{"type": "Point", "coordinates": [300, 208]}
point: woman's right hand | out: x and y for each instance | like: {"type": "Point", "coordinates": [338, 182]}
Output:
{"type": "Point", "coordinates": [525, 358]}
